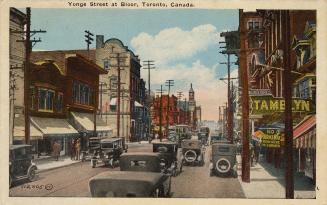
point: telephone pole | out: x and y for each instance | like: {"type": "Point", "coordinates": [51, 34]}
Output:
{"type": "Point", "coordinates": [179, 97]}
{"type": "Point", "coordinates": [160, 113]}
{"type": "Point", "coordinates": [149, 64]}
{"type": "Point", "coordinates": [88, 41]}
{"type": "Point", "coordinates": [28, 49]}
{"type": "Point", "coordinates": [289, 176]}
{"type": "Point", "coordinates": [245, 101]}
{"type": "Point", "coordinates": [169, 83]}
{"type": "Point", "coordinates": [119, 59]}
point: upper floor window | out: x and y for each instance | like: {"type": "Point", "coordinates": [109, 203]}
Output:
{"type": "Point", "coordinates": [82, 93]}
{"type": "Point", "coordinates": [253, 24]}
{"type": "Point", "coordinates": [106, 64]}
{"type": "Point", "coordinates": [46, 97]}
{"type": "Point", "coordinates": [60, 99]}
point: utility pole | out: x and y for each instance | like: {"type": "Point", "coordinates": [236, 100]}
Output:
{"type": "Point", "coordinates": [28, 49]}
{"type": "Point", "coordinates": [289, 177]}
{"type": "Point", "coordinates": [245, 101]}
{"type": "Point", "coordinates": [101, 84]}
{"type": "Point", "coordinates": [149, 65]}
{"type": "Point", "coordinates": [88, 41]}
{"type": "Point", "coordinates": [160, 113]}
{"type": "Point", "coordinates": [169, 83]}
{"type": "Point", "coordinates": [179, 97]}
{"type": "Point", "coordinates": [119, 59]}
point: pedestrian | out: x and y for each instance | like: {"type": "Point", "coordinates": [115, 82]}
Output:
{"type": "Point", "coordinates": [56, 150]}
{"type": "Point", "coordinates": [78, 148]}
{"type": "Point", "coordinates": [72, 149]}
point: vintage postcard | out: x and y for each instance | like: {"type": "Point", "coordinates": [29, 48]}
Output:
{"type": "Point", "coordinates": [200, 102]}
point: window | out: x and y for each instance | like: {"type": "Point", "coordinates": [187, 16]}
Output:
{"type": "Point", "coordinates": [256, 25]}
{"type": "Point", "coordinates": [106, 64]}
{"type": "Point", "coordinates": [46, 97]}
{"type": "Point", "coordinates": [32, 97]}
{"type": "Point", "coordinates": [82, 93]}
{"type": "Point", "coordinates": [60, 99]}
{"type": "Point", "coordinates": [250, 25]}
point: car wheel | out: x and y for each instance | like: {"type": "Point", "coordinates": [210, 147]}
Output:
{"type": "Point", "coordinates": [93, 163]}
{"type": "Point", "coordinates": [32, 174]}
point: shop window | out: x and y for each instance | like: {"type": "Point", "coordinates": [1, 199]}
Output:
{"type": "Point", "coordinates": [46, 97]}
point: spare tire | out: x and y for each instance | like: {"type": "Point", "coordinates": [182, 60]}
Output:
{"type": "Point", "coordinates": [223, 165]}
{"type": "Point", "coordinates": [190, 155]}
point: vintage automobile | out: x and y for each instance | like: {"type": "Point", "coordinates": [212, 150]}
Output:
{"type": "Point", "coordinates": [108, 151]}
{"type": "Point", "coordinates": [193, 152]}
{"type": "Point", "coordinates": [141, 175]}
{"type": "Point", "coordinates": [203, 137]}
{"type": "Point", "coordinates": [223, 159]}
{"type": "Point", "coordinates": [20, 163]}
{"type": "Point", "coordinates": [182, 132]}
{"type": "Point", "coordinates": [217, 137]}
{"type": "Point", "coordinates": [171, 155]}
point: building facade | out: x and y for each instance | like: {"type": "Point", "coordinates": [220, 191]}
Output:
{"type": "Point", "coordinates": [112, 55]}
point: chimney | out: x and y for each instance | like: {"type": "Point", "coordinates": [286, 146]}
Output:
{"type": "Point", "coordinates": [99, 41]}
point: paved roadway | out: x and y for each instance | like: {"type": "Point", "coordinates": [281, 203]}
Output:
{"type": "Point", "coordinates": [73, 181]}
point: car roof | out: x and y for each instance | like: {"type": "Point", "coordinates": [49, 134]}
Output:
{"type": "Point", "coordinates": [113, 139]}
{"type": "Point", "coordinates": [140, 154]}
{"type": "Point", "coordinates": [164, 142]}
{"type": "Point", "coordinates": [18, 146]}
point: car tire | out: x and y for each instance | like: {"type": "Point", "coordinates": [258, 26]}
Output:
{"type": "Point", "coordinates": [31, 174]}
{"type": "Point", "coordinates": [227, 169]}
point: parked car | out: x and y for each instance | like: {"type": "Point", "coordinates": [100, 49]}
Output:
{"type": "Point", "coordinates": [203, 137]}
{"type": "Point", "coordinates": [170, 153]}
{"type": "Point", "coordinates": [193, 152]}
{"type": "Point", "coordinates": [216, 138]}
{"type": "Point", "coordinates": [108, 151]}
{"type": "Point", "coordinates": [140, 175]}
{"type": "Point", "coordinates": [223, 159]}
{"type": "Point", "coordinates": [21, 165]}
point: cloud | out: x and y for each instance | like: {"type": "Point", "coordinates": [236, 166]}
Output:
{"type": "Point", "coordinates": [172, 44]}
{"type": "Point", "coordinates": [209, 91]}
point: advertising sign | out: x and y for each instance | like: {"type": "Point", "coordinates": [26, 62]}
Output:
{"type": "Point", "coordinates": [271, 137]}
{"type": "Point", "coordinates": [268, 104]}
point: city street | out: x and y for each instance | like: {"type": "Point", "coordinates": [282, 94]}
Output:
{"type": "Point", "coordinates": [73, 181]}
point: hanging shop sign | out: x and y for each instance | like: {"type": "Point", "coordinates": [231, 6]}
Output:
{"type": "Point", "coordinates": [270, 137]}
{"type": "Point", "coordinates": [268, 104]}
{"type": "Point", "coordinates": [260, 92]}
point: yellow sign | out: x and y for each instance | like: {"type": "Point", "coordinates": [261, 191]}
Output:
{"type": "Point", "coordinates": [268, 104]}
{"type": "Point", "coordinates": [270, 138]}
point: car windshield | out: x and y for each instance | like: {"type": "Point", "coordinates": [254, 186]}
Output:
{"type": "Point", "coordinates": [21, 153]}
{"type": "Point", "coordinates": [107, 145]}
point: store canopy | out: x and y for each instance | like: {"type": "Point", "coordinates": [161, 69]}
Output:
{"type": "Point", "coordinates": [113, 101]}
{"type": "Point", "coordinates": [53, 126]}
{"type": "Point", "coordinates": [86, 122]}
{"type": "Point", "coordinates": [19, 130]}
{"type": "Point", "coordinates": [304, 126]}
{"type": "Point", "coordinates": [137, 104]}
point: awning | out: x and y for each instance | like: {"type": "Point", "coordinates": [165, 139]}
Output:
{"type": "Point", "coordinates": [113, 101]}
{"type": "Point", "coordinates": [85, 122]}
{"type": "Point", "coordinates": [304, 126]}
{"type": "Point", "coordinates": [53, 126]}
{"type": "Point", "coordinates": [19, 130]}
{"type": "Point", "coordinates": [137, 104]}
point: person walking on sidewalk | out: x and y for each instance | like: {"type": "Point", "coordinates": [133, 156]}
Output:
{"type": "Point", "coordinates": [72, 149]}
{"type": "Point", "coordinates": [56, 150]}
{"type": "Point", "coordinates": [78, 149]}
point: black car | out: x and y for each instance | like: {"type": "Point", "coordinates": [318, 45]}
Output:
{"type": "Point", "coordinates": [20, 163]}
{"type": "Point", "coordinates": [223, 159]}
{"type": "Point", "coordinates": [170, 154]}
{"type": "Point", "coordinates": [140, 175]}
{"type": "Point", "coordinates": [108, 151]}
{"type": "Point", "coordinates": [193, 152]}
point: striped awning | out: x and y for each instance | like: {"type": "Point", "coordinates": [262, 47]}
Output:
{"type": "Point", "coordinates": [304, 126]}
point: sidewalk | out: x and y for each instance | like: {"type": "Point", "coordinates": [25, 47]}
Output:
{"type": "Point", "coordinates": [268, 182]}
{"type": "Point", "coordinates": [49, 163]}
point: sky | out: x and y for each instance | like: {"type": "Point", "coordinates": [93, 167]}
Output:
{"type": "Point", "coordinates": [184, 43]}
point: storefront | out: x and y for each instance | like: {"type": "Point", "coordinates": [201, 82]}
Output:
{"type": "Point", "coordinates": [304, 136]}
{"type": "Point", "coordinates": [53, 130]}
{"type": "Point", "coordinates": [84, 123]}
